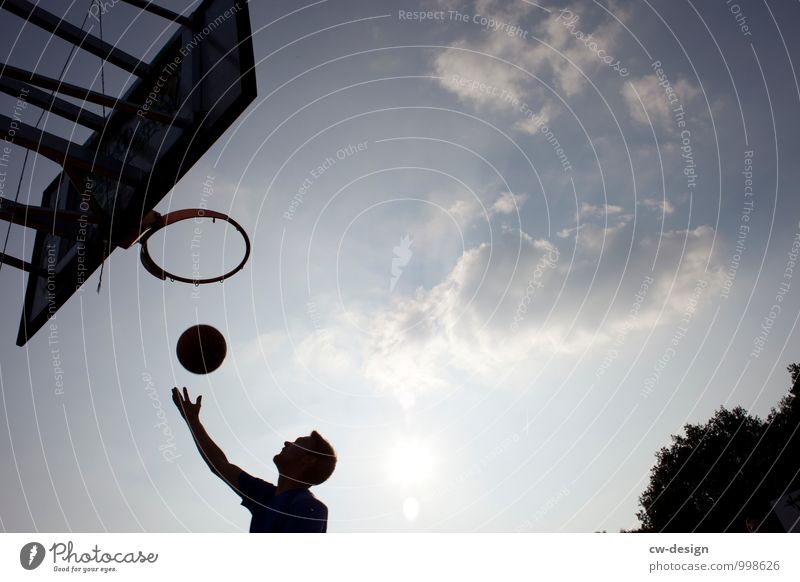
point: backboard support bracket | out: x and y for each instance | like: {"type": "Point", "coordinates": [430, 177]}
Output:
{"type": "Point", "coordinates": [64, 223]}
{"type": "Point", "coordinates": [153, 8]}
{"type": "Point", "coordinates": [58, 26]}
{"type": "Point", "coordinates": [35, 79]}
{"type": "Point", "coordinates": [52, 103]}
{"type": "Point", "coordinates": [65, 152]}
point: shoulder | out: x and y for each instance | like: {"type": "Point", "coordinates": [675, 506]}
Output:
{"type": "Point", "coordinates": [247, 480]}
{"type": "Point", "coordinates": [254, 490]}
{"type": "Point", "coordinates": [306, 505]}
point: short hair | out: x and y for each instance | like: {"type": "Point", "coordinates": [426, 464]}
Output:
{"type": "Point", "coordinates": [326, 459]}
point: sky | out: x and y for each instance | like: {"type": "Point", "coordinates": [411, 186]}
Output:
{"type": "Point", "coordinates": [502, 250]}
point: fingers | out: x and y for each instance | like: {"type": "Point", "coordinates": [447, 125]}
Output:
{"type": "Point", "coordinates": [184, 402]}
{"type": "Point", "coordinates": [179, 404]}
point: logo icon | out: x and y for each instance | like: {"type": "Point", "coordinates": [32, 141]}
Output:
{"type": "Point", "coordinates": [31, 555]}
{"type": "Point", "coordinates": [402, 254]}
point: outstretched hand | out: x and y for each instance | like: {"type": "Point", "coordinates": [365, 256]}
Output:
{"type": "Point", "coordinates": [190, 411]}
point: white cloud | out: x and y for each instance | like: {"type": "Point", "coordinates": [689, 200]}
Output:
{"type": "Point", "coordinates": [540, 119]}
{"type": "Point", "coordinates": [590, 210]}
{"type": "Point", "coordinates": [556, 58]}
{"type": "Point", "coordinates": [460, 330]}
{"type": "Point", "coordinates": [465, 210]}
{"type": "Point", "coordinates": [508, 203]}
{"type": "Point", "coordinates": [648, 103]}
{"type": "Point", "coordinates": [592, 238]}
{"type": "Point", "coordinates": [479, 79]}
{"type": "Point", "coordinates": [328, 349]}
{"type": "Point", "coordinates": [696, 263]}
{"type": "Point", "coordinates": [663, 206]}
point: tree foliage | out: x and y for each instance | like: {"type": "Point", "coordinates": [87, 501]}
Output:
{"type": "Point", "coordinates": [723, 475]}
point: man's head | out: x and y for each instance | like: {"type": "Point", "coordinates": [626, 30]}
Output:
{"type": "Point", "coordinates": [309, 459]}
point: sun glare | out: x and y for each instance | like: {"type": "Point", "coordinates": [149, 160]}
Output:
{"type": "Point", "coordinates": [410, 462]}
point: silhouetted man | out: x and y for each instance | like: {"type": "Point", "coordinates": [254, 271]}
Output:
{"type": "Point", "coordinates": [289, 507]}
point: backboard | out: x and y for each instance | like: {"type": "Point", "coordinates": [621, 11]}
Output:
{"type": "Point", "coordinates": [191, 93]}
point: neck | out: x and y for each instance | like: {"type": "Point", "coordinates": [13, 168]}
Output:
{"type": "Point", "coordinates": [287, 484]}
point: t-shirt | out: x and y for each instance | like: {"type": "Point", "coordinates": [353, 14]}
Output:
{"type": "Point", "coordinates": [293, 511]}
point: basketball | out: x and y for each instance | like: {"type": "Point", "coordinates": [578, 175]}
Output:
{"type": "Point", "coordinates": [201, 349]}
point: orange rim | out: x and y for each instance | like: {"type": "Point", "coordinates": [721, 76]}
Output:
{"type": "Point", "coordinates": [178, 216]}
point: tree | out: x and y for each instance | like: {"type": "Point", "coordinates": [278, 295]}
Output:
{"type": "Point", "coordinates": [722, 475]}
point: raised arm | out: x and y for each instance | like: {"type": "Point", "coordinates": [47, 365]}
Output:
{"type": "Point", "coordinates": [211, 453]}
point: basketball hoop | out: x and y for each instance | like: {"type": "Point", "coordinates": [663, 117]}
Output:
{"type": "Point", "coordinates": [160, 221]}
{"type": "Point", "coordinates": [100, 201]}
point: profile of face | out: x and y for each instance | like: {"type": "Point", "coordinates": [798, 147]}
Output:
{"type": "Point", "coordinates": [296, 459]}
